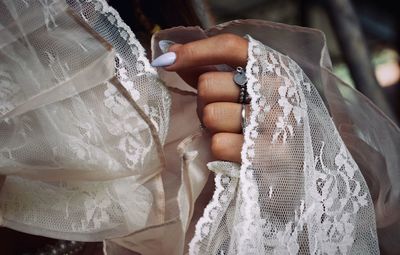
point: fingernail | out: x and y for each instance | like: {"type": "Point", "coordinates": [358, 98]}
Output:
{"type": "Point", "coordinates": [165, 59]}
{"type": "Point", "coordinates": [165, 44]}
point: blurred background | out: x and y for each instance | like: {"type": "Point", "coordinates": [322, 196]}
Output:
{"type": "Point", "coordinates": [362, 37]}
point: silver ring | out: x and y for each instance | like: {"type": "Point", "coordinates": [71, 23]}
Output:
{"type": "Point", "coordinates": [243, 117]}
{"type": "Point", "coordinates": [240, 79]}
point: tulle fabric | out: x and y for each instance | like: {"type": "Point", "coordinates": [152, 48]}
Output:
{"type": "Point", "coordinates": [83, 121]}
{"type": "Point", "coordinates": [96, 144]}
{"type": "Point", "coordinates": [299, 190]}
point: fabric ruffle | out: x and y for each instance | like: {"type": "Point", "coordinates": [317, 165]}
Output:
{"type": "Point", "coordinates": [96, 144]}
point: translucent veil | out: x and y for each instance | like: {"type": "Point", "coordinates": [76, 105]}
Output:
{"type": "Point", "coordinates": [96, 144]}
{"type": "Point", "coordinates": [83, 120]}
{"type": "Point", "coordinates": [299, 190]}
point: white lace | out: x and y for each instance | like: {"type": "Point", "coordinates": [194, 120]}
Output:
{"type": "Point", "coordinates": [300, 191]}
{"type": "Point", "coordinates": [95, 163]}
{"type": "Point", "coordinates": [226, 180]}
{"type": "Point", "coordinates": [82, 146]}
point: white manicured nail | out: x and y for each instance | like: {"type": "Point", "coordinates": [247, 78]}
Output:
{"type": "Point", "coordinates": [165, 44]}
{"type": "Point", "coordinates": [165, 59]}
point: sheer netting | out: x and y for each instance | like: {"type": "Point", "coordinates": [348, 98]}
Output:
{"type": "Point", "coordinates": [299, 191]}
{"type": "Point", "coordinates": [83, 121]}
{"type": "Point", "coordinates": [94, 146]}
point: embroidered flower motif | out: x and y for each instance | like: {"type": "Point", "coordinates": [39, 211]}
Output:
{"type": "Point", "coordinates": [342, 160]}
{"type": "Point", "coordinates": [283, 130]}
{"type": "Point", "coordinates": [290, 100]}
{"type": "Point", "coordinates": [49, 13]}
{"type": "Point", "coordinates": [335, 204]}
{"type": "Point", "coordinates": [96, 211]}
{"type": "Point", "coordinates": [131, 142]}
{"type": "Point", "coordinates": [132, 149]}
{"type": "Point", "coordinates": [8, 91]}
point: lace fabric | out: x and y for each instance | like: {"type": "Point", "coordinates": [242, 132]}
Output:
{"type": "Point", "coordinates": [77, 137]}
{"type": "Point", "coordinates": [299, 191]}
{"type": "Point", "coordinates": [95, 146]}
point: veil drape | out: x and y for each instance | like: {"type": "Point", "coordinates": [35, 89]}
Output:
{"type": "Point", "coordinates": [96, 144]}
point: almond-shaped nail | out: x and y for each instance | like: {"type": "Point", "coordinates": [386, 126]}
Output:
{"type": "Point", "coordinates": [165, 44]}
{"type": "Point", "coordinates": [165, 59]}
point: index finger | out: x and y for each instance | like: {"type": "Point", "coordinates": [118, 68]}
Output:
{"type": "Point", "coordinates": [220, 49]}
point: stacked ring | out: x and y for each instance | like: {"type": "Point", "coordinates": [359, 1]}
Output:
{"type": "Point", "coordinates": [240, 79]}
{"type": "Point", "coordinates": [243, 117]}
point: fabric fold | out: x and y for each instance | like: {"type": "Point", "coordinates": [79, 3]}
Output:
{"type": "Point", "coordinates": [123, 159]}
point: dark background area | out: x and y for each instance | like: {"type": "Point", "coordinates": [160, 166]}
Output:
{"type": "Point", "coordinates": [373, 71]}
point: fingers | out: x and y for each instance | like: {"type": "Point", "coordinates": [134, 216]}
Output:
{"type": "Point", "coordinates": [222, 117]}
{"type": "Point", "coordinates": [217, 87]}
{"type": "Point", "coordinates": [220, 49]}
{"type": "Point", "coordinates": [227, 146]}
{"type": "Point", "coordinates": [221, 114]}
{"type": "Point", "coordinates": [217, 107]}
{"type": "Point", "coordinates": [191, 75]}
{"type": "Point", "coordinates": [217, 93]}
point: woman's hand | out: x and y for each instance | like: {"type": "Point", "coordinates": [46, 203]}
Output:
{"type": "Point", "coordinates": [218, 95]}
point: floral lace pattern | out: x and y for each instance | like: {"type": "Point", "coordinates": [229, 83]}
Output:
{"type": "Point", "coordinates": [289, 96]}
{"type": "Point", "coordinates": [96, 145]}
{"type": "Point", "coordinates": [225, 186]}
{"type": "Point", "coordinates": [300, 191]}
{"type": "Point", "coordinates": [7, 92]}
{"type": "Point", "coordinates": [131, 144]}
{"type": "Point", "coordinates": [101, 205]}
{"type": "Point", "coordinates": [133, 68]}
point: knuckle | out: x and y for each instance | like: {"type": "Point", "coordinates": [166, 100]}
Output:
{"type": "Point", "coordinates": [209, 116]}
{"type": "Point", "coordinates": [230, 41]}
{"type": "Point", "coordinates": [188, 51]}
{"type": "Point", "coordinates": [203, 86]}
{"type": "Point", "coordinates": [218, 145]}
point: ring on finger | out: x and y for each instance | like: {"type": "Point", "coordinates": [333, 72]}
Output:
{"type": "Point", "coordinates": [240, 79]}
{"type": "Point", "coordinates": [243, 120]}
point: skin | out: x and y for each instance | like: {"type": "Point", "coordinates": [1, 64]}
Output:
{"type": "Point", "coordinates": [217, 100]}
